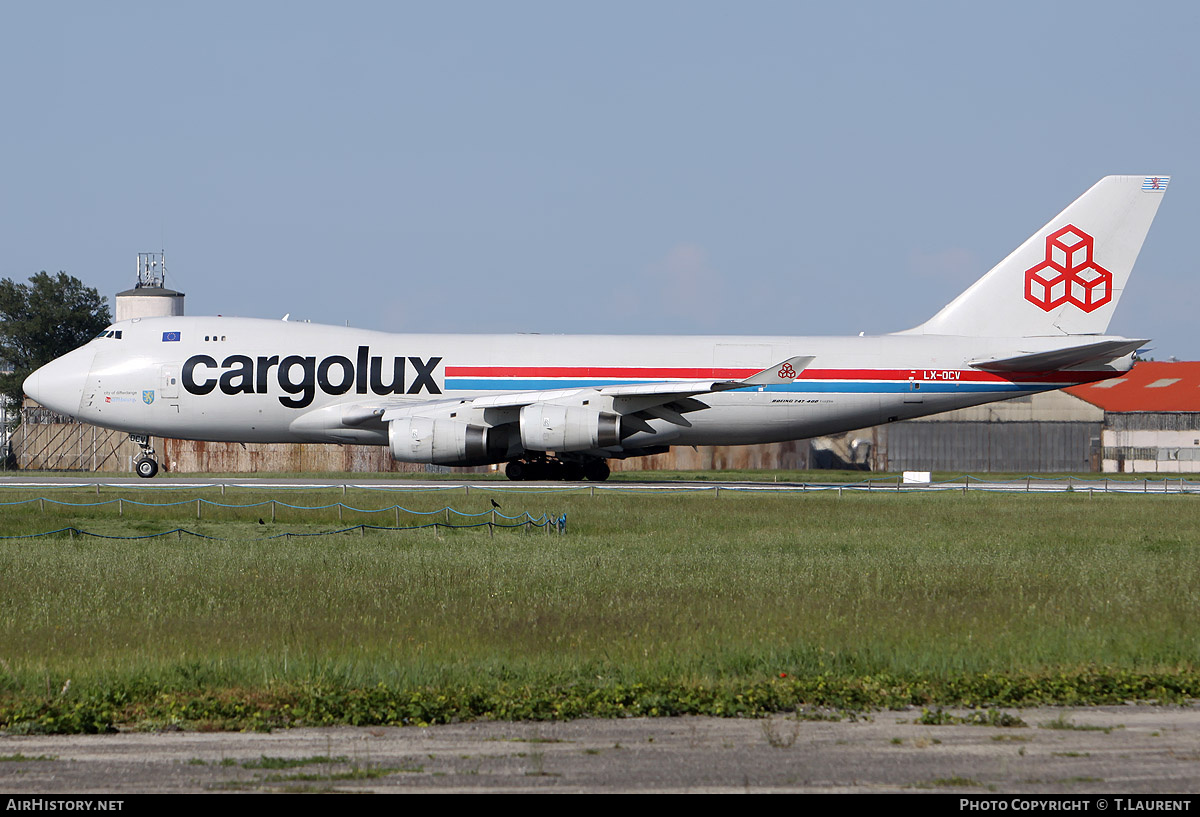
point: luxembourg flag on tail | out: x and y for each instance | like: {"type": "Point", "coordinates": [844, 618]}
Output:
{"type": "Point", "coordinates": [1156, 184]}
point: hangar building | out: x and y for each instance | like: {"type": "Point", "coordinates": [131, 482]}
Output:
{"type": "Point", "coordinates": [1151, 418]}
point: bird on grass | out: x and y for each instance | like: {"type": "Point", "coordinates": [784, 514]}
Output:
{"type": "Point", "coordinates": [495, 504]}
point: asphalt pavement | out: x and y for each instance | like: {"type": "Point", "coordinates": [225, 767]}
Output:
{"type": "Point", "coordinates": [1120, 751]}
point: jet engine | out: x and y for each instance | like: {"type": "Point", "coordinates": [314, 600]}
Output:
{"type": "Point", "coordinates": [550, 427]}
{"type": "Point", "coordinates": [440, 441]}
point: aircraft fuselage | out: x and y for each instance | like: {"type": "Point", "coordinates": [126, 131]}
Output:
{"type": "Point", "coordinates": [253, 380]}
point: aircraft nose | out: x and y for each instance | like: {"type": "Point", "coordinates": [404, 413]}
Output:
{"type": "Point", "coordinates": [59, 384]}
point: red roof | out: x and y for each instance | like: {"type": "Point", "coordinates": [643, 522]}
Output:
{"type": "Point", "coordinates": [1148, 386]}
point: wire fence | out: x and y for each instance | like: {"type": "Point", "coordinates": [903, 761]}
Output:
{"type": "Point", "coordinates": [451, 518]}
{"type": "Point", "coordinates": [455, 519]}
{"type": "Point", "coordinates": [274, 504]}
{"type": "Point", "coordinates": [887, 484]}
{"type": "Point", "coordinates": [546, 523]}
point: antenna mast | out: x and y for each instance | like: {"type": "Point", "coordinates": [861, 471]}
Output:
{"type": "Point", "coordinates": [151, 270]}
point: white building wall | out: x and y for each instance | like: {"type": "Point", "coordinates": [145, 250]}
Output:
{"type": "Point", "coordinates": [1146, 451]}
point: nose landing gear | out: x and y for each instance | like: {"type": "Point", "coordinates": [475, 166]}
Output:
{"type": "Point", "coordinates": [145, 465]}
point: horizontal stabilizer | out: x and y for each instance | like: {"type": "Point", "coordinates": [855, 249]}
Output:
{"type": "Point", "coordinates": [1100, 352]}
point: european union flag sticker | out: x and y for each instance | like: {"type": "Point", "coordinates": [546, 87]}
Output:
{"type": "Point", "coordinates": [170, 336]}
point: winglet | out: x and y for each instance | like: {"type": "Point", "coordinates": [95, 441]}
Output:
{"type": "Point", "coordinates": [784, 372]}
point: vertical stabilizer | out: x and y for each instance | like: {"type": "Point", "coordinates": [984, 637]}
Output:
{"type": "Point", "coordinates": [1067, 277]}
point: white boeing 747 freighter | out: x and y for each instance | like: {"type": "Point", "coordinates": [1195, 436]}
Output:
{"type": "Point", "coordinates": [559, 407]}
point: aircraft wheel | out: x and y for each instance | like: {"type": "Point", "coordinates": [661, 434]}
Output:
{"type": "Point", "coordinates": [597, 471]}
{"type": "Point", "coordinates": [516, 471]}
{"type": "Point", "coordinates": [146, 467]}
{"type": "Point", "coordinates": [573, 472]}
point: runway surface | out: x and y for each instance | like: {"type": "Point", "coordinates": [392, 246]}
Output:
{"type": "Point", "coordinates": [1123, 750]}
{"type": "Point", "coordinates": [1165, 484]}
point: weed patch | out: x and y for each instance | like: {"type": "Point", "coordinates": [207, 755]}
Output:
{"type": "Point", "coordinates": [1063, 722]}
{"type": "Point", "coordinates": [20, 758]}
{"type": "Point", "coordinates": [979, 717]}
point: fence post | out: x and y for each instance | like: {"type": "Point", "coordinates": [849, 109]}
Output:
{"type": "Point", "coordinates": [197, 508]}
{"type": "Point", "coordinates": [120, 506]}
{"type": "Point", "coordinates": [272, 510]}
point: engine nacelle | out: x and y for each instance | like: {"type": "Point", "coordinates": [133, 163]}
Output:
{"type": "Point", "coordinates": [548, 427]}
{"type": "Point", "coordinates": [444, 442]}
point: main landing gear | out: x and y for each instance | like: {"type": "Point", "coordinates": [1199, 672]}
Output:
{"type": "Point", "coordinates": [146, 465]}
{"type": "Point", "coordinates": [556, 469]}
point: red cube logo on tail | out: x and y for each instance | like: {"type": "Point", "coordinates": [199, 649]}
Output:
{"type": "Point", "coordinates": [1068, 274]}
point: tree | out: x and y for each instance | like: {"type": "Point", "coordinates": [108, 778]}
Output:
{"type": "Point", "coordinates": [44, 319]}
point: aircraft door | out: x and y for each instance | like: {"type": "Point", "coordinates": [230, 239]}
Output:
{"type": "Point", "coordinates": [913, 395]}
{"type": "Point", "coordinates": [168, 387]}
{"type": "Point", "coordinates": [169, 382]}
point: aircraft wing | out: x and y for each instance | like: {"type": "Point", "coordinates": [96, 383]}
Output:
{"type": "Point", "coordinates": [667, 400]}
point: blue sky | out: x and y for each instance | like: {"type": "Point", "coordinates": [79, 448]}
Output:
{"type": "Point", "coordinates": [661, 167]}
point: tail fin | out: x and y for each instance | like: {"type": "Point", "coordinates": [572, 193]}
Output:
{"type": "Point", "coordinates": [1068, 276]}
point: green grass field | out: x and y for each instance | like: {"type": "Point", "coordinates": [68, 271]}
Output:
{"type": "Point", "coordinates": [737, 604]}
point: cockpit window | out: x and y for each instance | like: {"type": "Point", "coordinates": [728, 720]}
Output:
{"type": "Point", "coordinates": [110, 333]}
